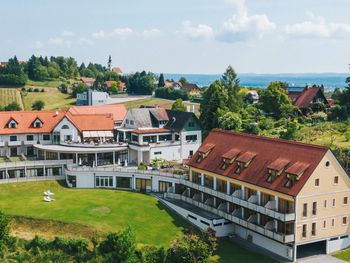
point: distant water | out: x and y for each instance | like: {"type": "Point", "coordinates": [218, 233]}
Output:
{"type": "Point", "coordinates": [329, 80]}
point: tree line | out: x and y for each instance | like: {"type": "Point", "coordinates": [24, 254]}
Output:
{"type": "Point", "coordinates": [193, 247]}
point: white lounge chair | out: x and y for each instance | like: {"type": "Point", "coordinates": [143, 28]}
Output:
{"type": "Point", "coordinates": [48, 199]}
{"type": "Point", "coordinates": [48, 192]}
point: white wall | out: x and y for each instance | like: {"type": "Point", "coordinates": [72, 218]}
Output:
{"type": "Point", "coordinates": [72, 131]}
{"type": "Point", "coordinates": [339, 244]}
{"type": "Point", "coordinates": [186, 147]}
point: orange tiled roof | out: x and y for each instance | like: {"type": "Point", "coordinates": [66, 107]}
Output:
{"type": "Point", "coordinates": [118, 111]}
{"type": "Point", "coordinates": [87, 80]}
{"type": "Point", "coordinates": [117, 70]}
{"type": "Point", "coordinates": [92, 122]}
{"type": "Point", "coordinates": [25, 120]}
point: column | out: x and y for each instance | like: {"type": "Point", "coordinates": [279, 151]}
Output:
{"type": "Point", "coordinates": [58, 156]}
{"type": "Point", "coordinates": [202, 179]}
{"type": "Point", "coordinates": [76, 159]}
{"type": "Point", "coordinates": [133, 183]}
{"type": "Point", "coordinates": [258, 218]}
{"type": "Point", "coordinates": [214, 202]}
{"type": "Point", "coordinates": [276, 203]}
{"type": "Point", "coordinates": [173, 186]}
{"type": "Point", "coordinates": [214, 182]}
{"type": "Point", "coordinates": [242, 192]}
{"type": "Point", "coordinates": [258, 194]}
{"type": "Point", "coordinates": [139, 156]}
{"type": "Point", "coordinates": [228, 187]}
{"type": "Point", "coordinates": [113, 158]}
{"type": "Point", "coordinates": [25, 171]}
{"type": "Point", "coordinates": [45, 155]}
{"type": "Point", "coordinates": [96, 159]}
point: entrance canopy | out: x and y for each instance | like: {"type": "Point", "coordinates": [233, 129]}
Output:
{"type": "Point", "coordinates": [98, 134]}
{"type": "Point", "coordinates": [77, 149]}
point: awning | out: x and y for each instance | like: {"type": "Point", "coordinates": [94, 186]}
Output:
{"type": "Point", "coordinates": [97, 134]}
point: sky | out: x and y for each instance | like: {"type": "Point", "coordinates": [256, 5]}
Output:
{"type": "Point", "coordinates": [183, 36]}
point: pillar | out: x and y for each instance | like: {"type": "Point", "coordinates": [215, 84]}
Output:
{"type": "Point", "coordinates": [173, 186]}
{"type": "Point", "coordinates": [113, 158]}
{"type": "Point", "coordinates": [133, 183]}
{"type": "Point", "coordinates": [45, 155]}
{"type": "Point", "coordinates": [96, 159]}
{"type": "Point", "coordinates": [276, 203]}
{"type": "Point", "coordinates": [242, 192]}
{"type": "Point", "coordinates": [139, 156]}
{"type": "Point", "coordinates": [58, 156]}
{"type": "Point", "coordinates": [76, 159]}
{"type": "Point", "coordinates": [214, 182]}
{"type": "Point", "coordinates": [258, 218]}
{"type": "Point", "coordinates": [258, 194]}
{"type": "Point", "coordinates": [202, 179]}
{"type": "Point", "coordinates": [228, 188]}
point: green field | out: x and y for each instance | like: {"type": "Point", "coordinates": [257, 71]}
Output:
{"type": "Point", "coordinates": [9, 95]}
{"type": "Point", "coordinates": [81, 212]}
{"type": "Point", "coordinates": [343, 255]}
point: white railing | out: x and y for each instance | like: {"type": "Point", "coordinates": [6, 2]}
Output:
{"type": "Point", "coordinates": [36, 163]}
{"type": "Point", "coordinates": [93, 145]}
{"type": "Point", "coordinates": [236, 200]}
{"type": "Point", "coordinates": [31, 179]}
{"type": "Point", "coordinates": [131, 170]}
{"type": "Point", "coordinates": [260, 229]}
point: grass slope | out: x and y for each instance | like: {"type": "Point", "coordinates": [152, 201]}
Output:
{"type": "Point", "coordinates": [343, 255]}
{"type": "Point", "coordinates": [81, 212]}
{"type": "Point", "coordinates": [9, 95]}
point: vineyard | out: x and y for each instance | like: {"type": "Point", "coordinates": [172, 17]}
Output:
{"type": "Point", "coordinates": [10, 95]}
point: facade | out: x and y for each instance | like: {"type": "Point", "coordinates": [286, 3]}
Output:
{"type": "Point", "coordinates": [191, 89]}
{"type": "Point", "coordinates": [159, 133]}
{"type": "Point", "coordinates": [92, 98]}
{"type": "Point", "coordinates": [278, 194]}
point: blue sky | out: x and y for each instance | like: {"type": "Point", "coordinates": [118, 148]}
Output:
{"type": "Point", "coordinates": [183, 36]}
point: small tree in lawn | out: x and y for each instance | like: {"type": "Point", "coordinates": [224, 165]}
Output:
{"type": "Point", "coordinates": [178, 105]}
{"type": "Point", "coordinates": [38, 105]}
{"type": "Point", "coordinates": [161, 82]}
{"type": "Point", "coordinates": [13, 106]}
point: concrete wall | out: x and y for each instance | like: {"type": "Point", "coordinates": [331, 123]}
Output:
{"type": "Point", "coordinates": [186, 147]}
{"type": "Point", "coordinates": [338, 244]}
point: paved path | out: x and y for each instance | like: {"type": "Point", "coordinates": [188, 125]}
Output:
{"type": "Point", "coordinates": [320, 259]}
{"type": "Point", "coordinates": [126, 99]}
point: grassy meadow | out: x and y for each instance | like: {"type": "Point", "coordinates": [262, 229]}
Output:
{"type": "Point", "coordinates": [9, 95]}
{"type": "Point", "coordinates": [83, 212]}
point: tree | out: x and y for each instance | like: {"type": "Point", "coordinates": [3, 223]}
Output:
{"type": "Point", "coordinates": [230, 121]}
{"type": "Point", "coordinates": [79, 88]}
{"type": "Point", "coordinates": [119, 247]}
{"type": "Point", "coordinates": [274, 100]}
{"type": "Point", "coordinates": [231, 83]}
{"type": "Point", "coordinates": [161, 82]}
{"type": "Point", "coordinates": [141, 83]}
{"type": "Point", "coordinates": [183, 80]}
{"type": "Point", "coordinates": [214, 99]}
{"type": "Point", "coordinates": [152, 254]}
{"type": "Point", "coordinates": [13, 106]}
{"type": "Point", "coordinates": [189, 249]}
{"type": "Point", "coordinates": [38, 105]}
{"type": "Point", "coordinates": [290, 132]}
{"type": "Point", "coordinates": [178, 105]}
{"type": "Point", "coordinates": [338, 113]}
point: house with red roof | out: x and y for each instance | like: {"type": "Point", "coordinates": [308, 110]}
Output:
{"type": "Point", "coordinates": [306, 98]}
{"type": "Point", "coordinates": [284, 196]}
{"type": "Point", "coordinates": [117, 70]}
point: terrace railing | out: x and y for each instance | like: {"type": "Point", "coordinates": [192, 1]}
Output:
{"type": "Point", "coordinates": [36, 163]}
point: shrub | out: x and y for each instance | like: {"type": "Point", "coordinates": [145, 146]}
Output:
{"type": "Point", "coordinates": [171, 94]}
{"type": "Point", "coordinates": [30, 89]}
{"type": "Point", "coordinates": [36, 90]}
{"type": "Point", "coordinates": [347, 136]}
{"type": "Point", "coordinates": [42, 90]}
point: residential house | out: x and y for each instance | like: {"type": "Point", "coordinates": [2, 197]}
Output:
{"type": "Point", "coordinates": [92, 97]}
{"type": "Point", "coordinates": [117, 70]}
{"type": "Point", "coordinates": [173, 84]}
{"type": "Point", "coordinates": [87, 81]}
{"type": "Point", "coordinates": [191, 89]}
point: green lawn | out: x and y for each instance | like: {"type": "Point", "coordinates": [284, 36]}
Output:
{"type": "Point", "coordinates": [80, 212]}
{"type": "Point", "coordinates": [343, 255]}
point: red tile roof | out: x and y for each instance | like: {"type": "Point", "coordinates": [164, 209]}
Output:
{"type": "Point", "coordinates": [278, 164]}
{"type": "Point", "coordinates": [117, 70]}
{"type": "Point", "coordinates": [231, 154]}
{"type": "Point", "coordinates": [25, 120]}
{"type": "Point", "coordinates": [118, 111]}
{"type": "Point", "coordinates": [87, 80]}
{"type": "Point", "coordinates": [206, 147]}
{"type": "Point", "coordinates": [297, 168]}
{"type": "Point", "coordinates": [92, 122]}
{"type": "Point", "coordinates": [267, 150]}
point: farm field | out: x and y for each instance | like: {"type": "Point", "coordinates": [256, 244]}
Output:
{"type": "Point", "coordinates": [9, 95]}
{"type": "Point", "coordinates": [81, 212]}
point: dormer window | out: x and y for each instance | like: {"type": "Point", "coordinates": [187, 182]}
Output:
{"type": "Point", "coordinates": [228, 158]}
{"type": "Point", "coordinates": [204, 151]}
{"type": "Point", "coordinates": [12, 124]}
{"type": "Point", "coordinates": [243, 161]}
{"type": "Point", "coordinates": [294, 173]}
{"type": "Point", "coordinates": [275, 169]}
{"type": "Point", "coordinates": [37, 123]}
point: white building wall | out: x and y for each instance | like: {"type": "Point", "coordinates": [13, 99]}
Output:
{"type": "Point", "coordinates": [72, 131]}
{"type": "Point", "coordinates": [168, 152]}
{"type": "Point", "coordinates": [338, 244]}
{"type": "Point", "coordinates": [186, 146]}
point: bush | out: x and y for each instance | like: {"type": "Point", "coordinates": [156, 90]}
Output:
{"type": "Point", "coordinates": [171, 94]}
{"type": "Point", "coordinates": [43, 90]}
{"type": "Point", "coordinates": [30, 89]}
{"type": "Point", "coordinates": [23, 89]}
{"type": "Point", "coordinates": [347, 136]}
{"type": "Point", "coordinates": [142, 166]}
{"type": "Point", "coordinates": [36, 90]}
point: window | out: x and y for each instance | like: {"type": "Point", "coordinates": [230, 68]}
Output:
{"type": "Point", "coordinates": [65, 127]}
{"type": "Point", "coordinates": [37, 124]}
{"type": "Point", "coordinates": [13, 138]}
{"type": "Point", "coordinates": [30, 137]}
{"type": "Point", "coordinates": [317, 182]}
{"type": "Point", "coordinates": [191, 137]}
{"type": "Point", "coordinates": [345, 220]}
{"type": "Point", "coordinates": [177, 137]}
{"type": "Point", "coordinates": [324, 223]}
{"type": "Point", "coordinates": [165, 137]}
{"type": "Point", "coordinates": [292, 179]}
{"type": "Point", "coordinates": [46, 137]}
{"type": "Point", "coordinates": [328, 164]}
{"type": "Point", "coordinates": [127, 121]}
{"type": "Point", "coordinates": [334, 202]}
{"type": "Point", "coordinates": [313, 229]}
{"type": "Point", "coordinates": [304, 233]}
{"type": "Point", "coordinates": [314, 208]}
{"type": "Point", "coordinates": [239, 168]}
{"type": "Point", "coordinates": [157, 153]}
{"type": "Point", "coordinates": [325, 204]}
{"type": "Point", "coordinates": [336, 179]}
{"type": "Point", "coordinates": [345, 200]}
{"type": "Point", "coordinates": [333, 222]}
{"type": "Point", "coordinates": [305, 210]}
{"type": "Point", "coordinates": [135, 138]}
{"type": "Point", "coordinates": [131, 122]}
{"type": "Point", "coordinates": [190, 154]}
{"type": "Point", "coordinates": [12, 124]}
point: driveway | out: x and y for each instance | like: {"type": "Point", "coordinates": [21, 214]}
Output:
{"type": "Point", "coordinates": [320, 259]}
{"type": "Point", "coordinates": [112, 100]}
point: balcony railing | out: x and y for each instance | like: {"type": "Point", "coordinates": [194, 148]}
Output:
{"type": "Point", "coordinates": [38, 163]}
{"type": "Point", "coordinates": [236, 200]}
{"type": "Point", "coordinates": [14, 143]}
{"type": "Point", "coordinates": [231, 217]}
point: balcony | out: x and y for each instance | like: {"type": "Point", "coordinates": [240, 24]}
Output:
{"type": "Point", "coordinates": [29, 142]}
{"type": "Point", "coordinates": [2, 144]}
{"type": "Point", "coordinates": [236, 199]}
{"type": "Point", "coordinates": [14, 143]}
{"type": "Point", "coordinates": [235, 217]}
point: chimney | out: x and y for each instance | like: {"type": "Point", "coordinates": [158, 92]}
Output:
{"type": "Point", "coordinates": [56, 113]}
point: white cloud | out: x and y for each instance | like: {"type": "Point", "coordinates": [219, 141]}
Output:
{"type": "Point", "coordinates": [60, 41]}
{"type": "Point", "coordinates": [68, 34]}
{"type": "Point", "coordinates": [196, 32]}
{"type": "Point", "coordinates": [121, 33]}
{"type": "Point", "coordinates": [85, 41]}
{"type": "Point", "coordinates": [154, 32]}
{"type": "Point", "coordinates": [98, 34]}
{"type": "Point", "coordinates": [317, 27]}
{"type": "Point", "coordinates": [242, 26]}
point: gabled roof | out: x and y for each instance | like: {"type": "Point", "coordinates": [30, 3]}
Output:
{"type": "Point", "coordinates": [266, 150]}
{"type": "Point", "coordinates": [278, 164]}
{"type": "Point", "coordinates": [91, 122]}
{"type": "Point", "coordinates": [302, 97]}
{"type": "Point", "coordinates": [117, 70]}
{"type": "Point", "coordinates": [189, 87]}
{"type": "Point", "coordinates": [118, 111]}
{"type": "Point", "coordinates": [87, 80]}
{"type": "Point", "coordinates": [178, 119]}
{"type": "Point", "coordinates": [231, 154]}
{"type": "Point", "coordinates": [25, 121]}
